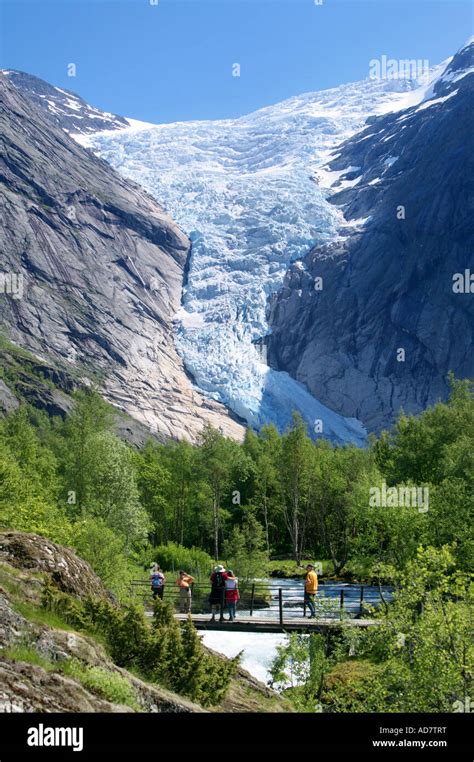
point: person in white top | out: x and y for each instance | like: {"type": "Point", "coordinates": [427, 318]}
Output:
{"type": "Point", "coordinates": [231, 594]}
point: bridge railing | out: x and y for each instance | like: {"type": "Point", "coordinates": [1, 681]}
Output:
{"type": "Point", "coordinates": [272, 600]}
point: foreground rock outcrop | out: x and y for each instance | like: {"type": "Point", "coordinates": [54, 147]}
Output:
{"type": "Point", "coordinates": [91, 274]}
{"type": "Point", "coordinates": [28, 688]}
{"type": "Point", "coordinates": [31, 552]}
{"type": "Point", "coordinates": [35, 654]}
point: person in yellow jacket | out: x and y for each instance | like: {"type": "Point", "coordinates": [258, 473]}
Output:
{"type": "Point", "coordinates": [310, 589]}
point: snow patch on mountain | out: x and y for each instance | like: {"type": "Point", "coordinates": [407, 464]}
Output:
{"type": "Point", "coordinates": [67, 109]}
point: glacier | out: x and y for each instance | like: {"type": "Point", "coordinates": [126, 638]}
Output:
{"type": "Point", "coordinates": [252, 195]}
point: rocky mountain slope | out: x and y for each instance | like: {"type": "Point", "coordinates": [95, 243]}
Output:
{"type": "Point", "coordinates": [405, 186]}
{"type": "Point", "coordinates": [29, 681]}
{"type": "Point", "coordinates": [92, 270]}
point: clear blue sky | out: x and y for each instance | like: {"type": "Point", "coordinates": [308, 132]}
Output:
{"type": "Point", "coordinates": [173, 60]}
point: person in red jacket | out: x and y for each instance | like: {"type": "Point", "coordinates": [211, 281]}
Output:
{"type": "Point", "coordinates": [231, 594]}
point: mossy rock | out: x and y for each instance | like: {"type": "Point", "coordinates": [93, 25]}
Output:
{"type": "Point", "coordinates": [65, 569]}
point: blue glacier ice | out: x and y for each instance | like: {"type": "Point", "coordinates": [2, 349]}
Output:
{"type": "Point", "coordinates": [252, 195]}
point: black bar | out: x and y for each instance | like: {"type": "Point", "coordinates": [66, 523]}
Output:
{"type": "Point", "coordinates": [107, 734]}
{"type": "Point", "coordinates": [361, 597]}
{"type": "Point", "coordinates": [342, 603]}
{"type": "Point", "coordinates": [280, 601]}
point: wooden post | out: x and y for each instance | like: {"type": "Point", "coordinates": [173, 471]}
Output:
{"type": "Point", "coordinates": [280, 603]}
{"type": "Point", "coordinates": [361, 597]}
{"type": "Point", "coordinates": [252, 599]}
{"type": "Point", "coordinates": [342, 603]}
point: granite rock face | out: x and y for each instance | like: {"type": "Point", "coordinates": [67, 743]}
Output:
{"type": "Point", "coordinates": [92, 269]}
{"type": "Point", "coordinates": [387, 281]}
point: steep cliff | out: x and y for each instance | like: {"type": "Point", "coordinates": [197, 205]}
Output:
{"type": "Point", "coordinates": [384, 327]}
{"type": "Point", "coordinates": [92, 270]}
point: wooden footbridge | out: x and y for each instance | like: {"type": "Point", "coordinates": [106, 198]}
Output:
{"type": "Point", "coordinates": [254, 624]}
{"type": "Point", "coordinates": [271, 607]}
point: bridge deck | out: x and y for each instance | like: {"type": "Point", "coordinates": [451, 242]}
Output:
{"type": "Point", "coordinates": [256, 624]}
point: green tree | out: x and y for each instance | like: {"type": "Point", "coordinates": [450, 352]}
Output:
{"type": "Point", "coordinates": [91, 416]}
{"type": "Point", "coordinates": [183, 488]}
{"type": "Point", "coordinates": [27, 489]}
{"type": "Point", "coordinates": [264, 451]}
{"type": "Point", "coordinates": [341, 481]}
{"type": "Point", "coordinates": [436, 449]}
{"type": "Point", "coordinates": [245, 549]}
{"type": "Point", "coordinates": [295, 470]}
{"type": "Point", "coordinates": [112, 493]}
{"type": "Point", "coordinates": [96, 543]}
{"type": "Point", "coordinates": [153, 481]}
{"type": "Point", "coordinates": [38, 463]}
{"type": "Point", "coordinates": [424, 640]}
{"type": "Point", "coordinates": [215, 461]}
{"type": "Point", "coordinates": [435, 445]}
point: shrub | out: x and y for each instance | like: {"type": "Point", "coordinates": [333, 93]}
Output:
{"type": "Point", "coordinates": [110, 685]}
{"type": "Point", "coordinates": [174, 557]}
{"type": "Point", "coordinates": [96, 543]}
{"type": "Point", "coordinates": [65, 606]}
{"type": "Point", "coordinates": [161, 652]}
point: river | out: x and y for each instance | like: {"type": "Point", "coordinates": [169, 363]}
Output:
{"type": "Point", "coordinates": [259, 649]}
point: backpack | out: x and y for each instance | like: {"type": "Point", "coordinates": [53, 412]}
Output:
{"type": "Point", "coordinates": [219, 580]}
{"type": "Point", "coordinates": [156, 580]}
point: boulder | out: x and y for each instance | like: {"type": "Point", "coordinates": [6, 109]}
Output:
{"type": "Point", "coordinates": [35, 553]}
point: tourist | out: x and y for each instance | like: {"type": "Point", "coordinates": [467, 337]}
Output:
{"type": "Point", "coordinates": [217, 596]}
{"type": "Point", "coordinates": [184, 581]}
{"type": "Point", "coordinates": [231, 594]}
{"type": "Point", "coordinates": [157, 580]}
{"type": "Point", "coordinates": [310, 589]}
